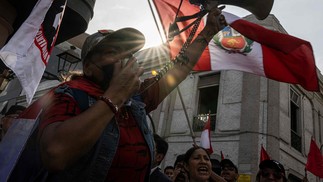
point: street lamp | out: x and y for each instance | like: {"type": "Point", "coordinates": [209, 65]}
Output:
{"type": "Point", "coordinates": [67, 61]}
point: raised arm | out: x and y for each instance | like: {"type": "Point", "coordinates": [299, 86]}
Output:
{"type": "Point", "coordinates": [179, 72]}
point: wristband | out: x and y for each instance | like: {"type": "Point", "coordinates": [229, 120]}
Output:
{"type": "Point", "coordinates": [114, 108]}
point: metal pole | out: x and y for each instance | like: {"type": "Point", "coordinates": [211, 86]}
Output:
{"type": "Point", "coordinates": [155, 19]}
{"type": "Point", "coordinates": [186, 115]}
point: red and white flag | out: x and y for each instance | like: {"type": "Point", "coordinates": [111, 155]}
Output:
{"type": "Point", "coordinates": [315, 160]}
{"type": "Point", "coordinates": [248, 47]}
{"type": "Point", "coordinates": [27, 52]}
{"type": "Point", "coordinates": [263, 154]}
{"type": "Point", "coordinates": [206, 136]}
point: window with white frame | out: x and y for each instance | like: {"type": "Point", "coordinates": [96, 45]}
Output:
{"type": "Point", "coordinates": [208, 92]}
{"type": "Point", "coordinates": [296, 134]}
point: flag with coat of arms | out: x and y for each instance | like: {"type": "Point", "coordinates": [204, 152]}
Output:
{"type": "Point", "coordinates": [247, 47]}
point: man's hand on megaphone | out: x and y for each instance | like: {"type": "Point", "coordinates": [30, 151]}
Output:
{"type": "Point", "coordinates": [215, 20]}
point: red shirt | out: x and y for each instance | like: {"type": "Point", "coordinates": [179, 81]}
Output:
{"type": "Point", "coordinates": [131, 162]}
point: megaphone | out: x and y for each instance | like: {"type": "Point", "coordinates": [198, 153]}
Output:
{"type": "Point", "coordinates": [260, 8]}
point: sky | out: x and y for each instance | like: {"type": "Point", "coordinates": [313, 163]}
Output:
{"type": "Point", "coordinates": [300, 18]}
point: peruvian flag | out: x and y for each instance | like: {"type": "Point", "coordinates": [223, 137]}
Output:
{"type": "Point", "coordinates": [206, 136]}
{"type": "Point", "coordinates": [315, 160]}
{"type": "Point", "coordinates": [28, 51]}
{"type": "Point", "coordinates": [247, 47]}
{"type": "Point", "coordinates": [263, 154]}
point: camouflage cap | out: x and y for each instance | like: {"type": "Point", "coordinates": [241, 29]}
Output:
{"type": "Point", "coordinates": [130, 39]}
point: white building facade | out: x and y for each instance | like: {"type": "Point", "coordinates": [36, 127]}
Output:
{"type": "Point", "coordinates": [247, 112]}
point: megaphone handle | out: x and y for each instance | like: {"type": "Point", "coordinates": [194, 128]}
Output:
{"type": "Point", "coordinates": [221, 18]}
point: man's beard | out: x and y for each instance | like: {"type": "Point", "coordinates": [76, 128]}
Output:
{"type": "Point", "coordinates": [107, 72]}
{"type": "Point", "coordinates": [107, 75]}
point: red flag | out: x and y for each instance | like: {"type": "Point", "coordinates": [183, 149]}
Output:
{"type": "Point", "coordinates": [249, 47]}
{"type": "Point", "coordinates": [315, 160]}
{"type": "Point", "coordinates": [263, 154]}
{"type": "Point", "coordinates": [222, 156]}
{"type": "Point", "coordinates": [167, 11]}
{"type": "Point", "coordinates": [206, 136]}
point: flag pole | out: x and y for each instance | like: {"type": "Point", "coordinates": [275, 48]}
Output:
{"type": "Point", "coordinates": [155, 19]}
{"type": "Point", "coordinates": [186, 115]}
{"type": "Point", "coordinates": [305, 177]}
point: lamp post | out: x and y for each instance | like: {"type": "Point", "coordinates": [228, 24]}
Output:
{"type": "Point", "coordinates": [67, 61]}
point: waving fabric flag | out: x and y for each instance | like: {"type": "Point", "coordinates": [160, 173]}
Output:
{"type": "Point", "coordinates": [27, 52]}
{"type": "Point", "coordinates": [248, 47]}
{"type": "Point", "coordinates": [167, 10]}
{"type": "Point", "coordinates": [206, 136]}
{"type": "Point", "coordinates": [315, 160]}
{"type": "Point", "coordinates": [263, 154]}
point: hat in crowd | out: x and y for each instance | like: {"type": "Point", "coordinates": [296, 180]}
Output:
{"type": "Point", "coordinates": [272, 164]}
{"type": "Point", "coordinates": [129, 39]}
{"type": "Point", "coordinates": [228, 163]}
{"type": "Point", "coordinates": [13, 109]}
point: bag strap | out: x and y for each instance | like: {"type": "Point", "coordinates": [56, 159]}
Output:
{"type": "Point", "coordinates": [81, 97]}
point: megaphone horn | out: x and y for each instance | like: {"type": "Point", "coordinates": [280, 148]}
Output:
{"type": "Point", "coordinates": [260, 8]}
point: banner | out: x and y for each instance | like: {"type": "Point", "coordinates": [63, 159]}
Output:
{"type": "Point", "coordinates": [28, 51]}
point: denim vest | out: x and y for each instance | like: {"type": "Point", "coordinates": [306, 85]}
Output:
{"type": "Point", "coordinates": [94, 166]}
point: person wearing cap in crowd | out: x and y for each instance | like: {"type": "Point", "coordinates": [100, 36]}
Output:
{"type": "Point", "coordinates": [271, 170]}
{"type": "Point", "coordinates": [229, 171]}
{"type": "Point", "coordinates": [161, 147]}
{"type": "Point", "coordinates": [110, 140]}
{"type": "Point", "coordinates": [8, 118]}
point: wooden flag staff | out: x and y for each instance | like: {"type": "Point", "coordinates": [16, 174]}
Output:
{"type": "Point", "coordinates": [186, 115]}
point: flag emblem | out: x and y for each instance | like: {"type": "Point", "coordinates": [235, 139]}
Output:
{"type": "Point", "coordinates": [232, 41]}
